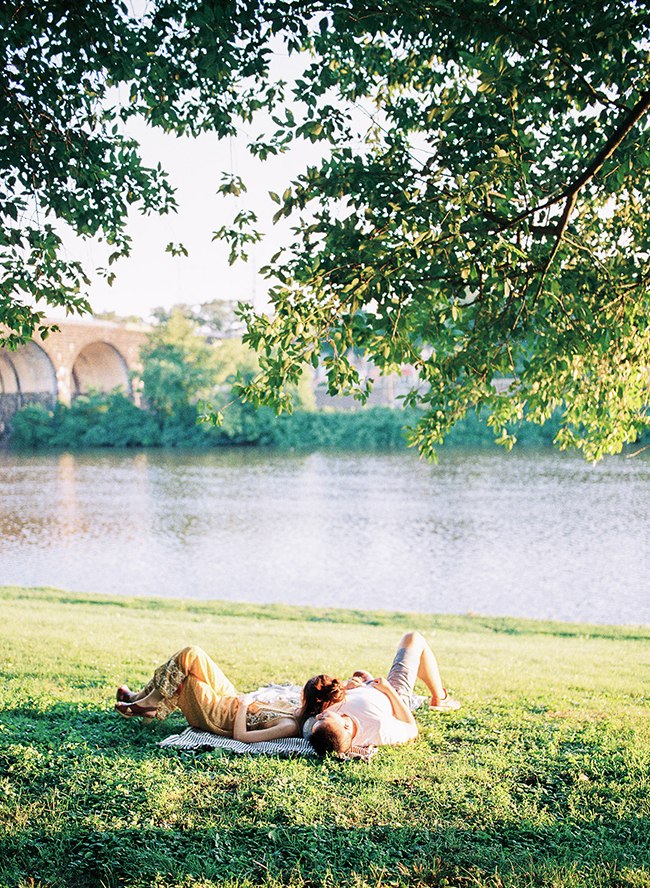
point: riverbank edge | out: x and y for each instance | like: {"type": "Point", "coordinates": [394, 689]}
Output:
{"type": "Point", "coordinates": [312, 613]}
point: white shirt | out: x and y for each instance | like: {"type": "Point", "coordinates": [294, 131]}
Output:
{"type": "Point", "coordinates": [372, 711]}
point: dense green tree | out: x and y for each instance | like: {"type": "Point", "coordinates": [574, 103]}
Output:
{"type": "Point", "coordinates": [236, 365]}
{"type": "Point", "coordinates": [492, 230]}
{"type": "Point", "coordinates": [63, 158]}
{"type": "Point", "coordinates": [184, 367]}
{"type": "Point", "coordinates": [479, 212]}
{"type": "Point", "coordinates": [178, 366]}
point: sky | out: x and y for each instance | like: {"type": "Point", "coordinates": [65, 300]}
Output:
{"type": "Point", "coordinates": [150, 277]}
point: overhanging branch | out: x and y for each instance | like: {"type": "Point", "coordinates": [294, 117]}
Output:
{"type": "Point", "coordinates": [610, 145]}
{"type": "Point", "coordinates": [571, 193]}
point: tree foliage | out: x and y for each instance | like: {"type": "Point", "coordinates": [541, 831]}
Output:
{"type": "Point", "coordinates": [64, 160]}
{"type": "Point", "coordinates": [490, 226]}
{"type": "Point", "coordinates": [178, 365]}
{"type": "Point", "coordinates": [479, 212]}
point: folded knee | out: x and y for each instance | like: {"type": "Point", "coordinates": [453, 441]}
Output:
{"type": "Point", "coordinates": [412, 639]}
{"type": "Point", "coordinates": [188, 654]}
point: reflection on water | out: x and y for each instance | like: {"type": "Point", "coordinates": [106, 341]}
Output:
{"type": "Point", "coordinates": [537, 534]}
{"type": "Point", "coordinates": [68, 524]}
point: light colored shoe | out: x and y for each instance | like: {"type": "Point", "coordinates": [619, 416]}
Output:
{"type": "Point", "coordinates": [446, 704]}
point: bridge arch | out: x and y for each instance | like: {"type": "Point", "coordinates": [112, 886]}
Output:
{"type": "Point", "coordinates": [27, 371]}
{"type": "Point", "coordinates": [99, 366]}
{"type": "Point", "coordinates": [81, 356]}
{"type": "Point", "coordinates": [9, 383]}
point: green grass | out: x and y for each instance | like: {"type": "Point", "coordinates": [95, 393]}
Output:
{"type": "Point", "coordinates": [541, 779]}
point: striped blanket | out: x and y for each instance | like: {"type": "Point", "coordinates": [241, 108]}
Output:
{"type": "Point", "coordinates": [194, 738]}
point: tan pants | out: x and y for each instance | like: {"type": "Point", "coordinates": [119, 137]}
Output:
{"type": "Point", "coordinates": [192, 682]}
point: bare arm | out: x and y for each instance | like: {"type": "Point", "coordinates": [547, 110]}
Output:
{"type": "Point", "coordinates": [400, 710]}
{"type": "Point", "coordinates": [285, 727]}
{"type": "Point", "coordinates": [358, 678]}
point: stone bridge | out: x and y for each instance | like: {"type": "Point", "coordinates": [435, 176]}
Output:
{"type": "Point", "coordinates": [87, 355]}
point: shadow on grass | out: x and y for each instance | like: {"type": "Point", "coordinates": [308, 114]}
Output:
{"type": "Point", "coordinates": [89, 799]}
{"type": "Point", "coordinates": [328, 855]}
{"type": "Point", "coordinates": [58, 725]}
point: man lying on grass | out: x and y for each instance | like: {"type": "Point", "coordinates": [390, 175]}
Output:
{"type": "Point", "coordinates": [377, 710]}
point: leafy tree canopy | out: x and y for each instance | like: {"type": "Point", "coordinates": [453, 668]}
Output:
{"type": "Point", "coordinates": [185, 369]}
{"type": "Point", "coordinates": [479, 212]}
{"type": "Point", "coordinates": [178, 365]}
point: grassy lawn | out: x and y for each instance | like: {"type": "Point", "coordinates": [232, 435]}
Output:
{"type": "Point", "coordinates": [541, 779]}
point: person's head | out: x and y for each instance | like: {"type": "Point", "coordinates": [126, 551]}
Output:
{"type": "Point", "coordinates": [318, 693]}
{"type": "Point", "coordinates": [332, 732]}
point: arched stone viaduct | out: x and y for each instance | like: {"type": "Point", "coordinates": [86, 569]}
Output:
{"type": "Point", "coordinates": [86, 355]}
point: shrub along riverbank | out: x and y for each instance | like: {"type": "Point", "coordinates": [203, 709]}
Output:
{"type": "Point", "coordinates": [113, 421]}
{"type": "Point", "coordinates": [541, 779]}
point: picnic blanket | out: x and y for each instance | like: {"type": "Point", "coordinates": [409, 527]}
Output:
{"type": "Point", "coordinates": [195, 738]}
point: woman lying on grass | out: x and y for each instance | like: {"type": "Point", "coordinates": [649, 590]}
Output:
{"type": "Point", "coordinates": [192, 682]}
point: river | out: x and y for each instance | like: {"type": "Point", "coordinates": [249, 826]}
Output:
{"type": "Point", "coordinates": [532, 533]}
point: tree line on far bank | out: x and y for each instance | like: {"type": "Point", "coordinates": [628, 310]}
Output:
{"type": "Point", "coordinates": [187, 369]}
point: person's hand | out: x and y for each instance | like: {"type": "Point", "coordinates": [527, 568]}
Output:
{"type": "Point", "coordinates": [353, 682]}
{"type": "Point", "coordinates": [362, 674]}
{"type": "Point", "coordinates": [245, 699]}
{"type": "Point", "coordinates": [382, 685]}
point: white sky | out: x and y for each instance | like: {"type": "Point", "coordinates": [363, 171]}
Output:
{"type": "Point", "coordinates": [151, 277]}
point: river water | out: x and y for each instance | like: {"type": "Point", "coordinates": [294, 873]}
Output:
{"type": "Point", "coordinates": [532, 533]}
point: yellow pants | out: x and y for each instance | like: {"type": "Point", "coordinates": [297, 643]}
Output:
{"type": "Point", "coordinates": [192, 681]}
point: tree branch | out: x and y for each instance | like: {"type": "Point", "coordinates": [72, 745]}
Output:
{"type": "Point", "coordinates": [610, 145]}
{"type": "Point", "coordinates": [571, 193]}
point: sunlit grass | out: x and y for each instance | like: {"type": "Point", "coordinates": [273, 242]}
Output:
{"type": "Point", "coordinates": [540, 779]}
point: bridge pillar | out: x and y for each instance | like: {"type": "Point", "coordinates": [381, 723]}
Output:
{"type": "Point", "coordinates": [64, 384]}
